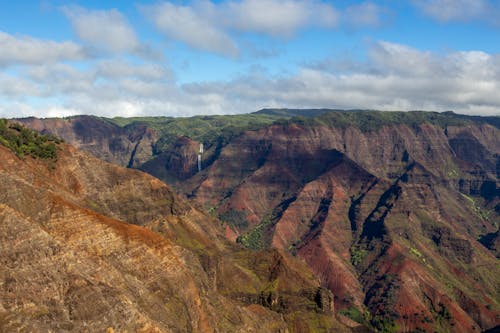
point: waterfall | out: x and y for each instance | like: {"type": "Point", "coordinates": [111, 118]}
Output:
{"type": "Point", "coordinates": [199, 157]}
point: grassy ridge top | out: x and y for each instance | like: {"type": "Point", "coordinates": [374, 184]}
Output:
{"type": "Point", "coordinates": [211, 130]}
{"type": "Point", "coordinates": [198, 126]}
{"type": "Point", "coordinates": [220, 129]}
{"type": "Point", "coordinates": [370, 120]}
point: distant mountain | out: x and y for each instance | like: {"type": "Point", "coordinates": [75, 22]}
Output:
{"type": "Point", "coordinates": [87, 246]}
{"type": "Point", "coordinates": [397, 213]}
{"type": "Point", "coordinates": [289, 113]}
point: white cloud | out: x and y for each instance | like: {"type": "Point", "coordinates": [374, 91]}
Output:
{"type": "Point", "coordinates": [395, 77]}
{"type": "Point", "coordinates": [24, 50]}
{"type": "Point", "coordinates": [188, 25]}
{"type": "Point", "coordinates": [15, 87]}
{"type": "Point", "coordinates": [366, 14]}
{"type": "Point", "coordinates": [211, 27]}
{"type": "Point", "coordinates": [106, 30]}
{"type": "Point", "coordinates": [216, 27]}
{"type": "Point", "coordinates": [460, 10]}
{"type": "Point", "coordinates": [276, 18]}
{"type": "Point", "coordinates": [390, 58]}
{"type": "Point", "coordinates": [18, 109]}
{"type": "Point", "coordinates": [119, 68]}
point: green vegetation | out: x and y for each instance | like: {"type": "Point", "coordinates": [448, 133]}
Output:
{"type": "Point", "coordinates": [385, 318]}
{"type": "Point", "coordinates": [217, 130]}
{"type": "Point", "coordinates": [415, 252]}
{"type": "Point", "coordinates": [356, 315]}
{"type": "Point", "coordinates": [442, 317]}
{"type": "Point", "coordinates": [384, 324]}
{"type": "Point", "coordinates": [368, 120]}
{"type": "Point", "coordinates": [259, 237]}
{"type": "Point", "coordinates": [357, 255]}
{"type": "Point", "coordinates": [24, 142]}
{"type": "Point", "coordinates": [483, 214]}
{"type": "Point", "coordinates": [254, 239]}
{"type": "Point", "coordinates": [235, 218]}
{"type": "Point", "coordinates": [301, 321]}
{"type": "Point", "coordinates": [289, 113]}
{"type": "Point", "coordinates": [453, 173]}
{"type": "Point", "coordinates": [211, 130]}
{"type": "Point", "coordinates": [124, 121]}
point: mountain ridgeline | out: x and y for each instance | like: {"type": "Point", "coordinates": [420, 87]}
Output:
{"type": "Point", "coordinates": [396, 213]}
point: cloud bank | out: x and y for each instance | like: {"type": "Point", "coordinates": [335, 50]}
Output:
{"type": "Point", "coordinates": [109, 71]}
{"type": "Point", "coordinates": [461, 10]}
{"type": "Point", "coordinates": [25, 50]}
{"type": "Point", "coordinates": [395, 77]}
{"type": "Point", "coordinates": [212, 27]}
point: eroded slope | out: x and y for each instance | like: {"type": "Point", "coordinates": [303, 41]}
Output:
{"type": "Point", "coordinates": [87, 246]}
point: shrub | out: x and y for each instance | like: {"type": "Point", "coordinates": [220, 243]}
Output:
{"type": "Point", "coordinates": [25, 142]}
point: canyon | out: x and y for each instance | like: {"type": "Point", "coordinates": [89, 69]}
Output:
{"type": "Point", "coordinates": [88, 246]}
{"type": "Point", "coordinates": [395, 215]}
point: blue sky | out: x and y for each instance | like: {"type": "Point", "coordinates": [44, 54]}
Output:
{"type": "Point", "coordinates": [180, 58]}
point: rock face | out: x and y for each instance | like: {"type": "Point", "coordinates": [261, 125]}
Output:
{"type": "Point", "coordinates": [180, 162]}
{"type": "Point", "coordinates": [388, 219]}
{"type": "Point", "coordinates": [129, 147]}
{"type": "Point", "coordinates": [397, 215]}
{"type": "Point", "coordinates": [87, 246]}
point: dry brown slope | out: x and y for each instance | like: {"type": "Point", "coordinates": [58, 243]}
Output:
{"type": "Point", "coordinates": [69, 267]}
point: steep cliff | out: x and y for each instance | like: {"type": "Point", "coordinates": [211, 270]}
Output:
{"type": "Point", "coordinates": [388, 217]}
{"type": "Point", "coordinates": [90, 246]}
{"type": "Point", "coordinates": [125, 146]}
